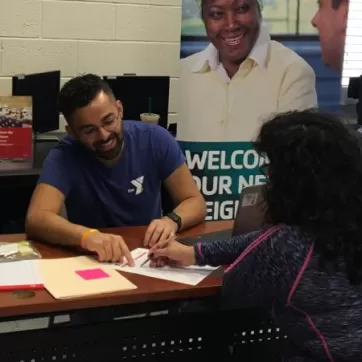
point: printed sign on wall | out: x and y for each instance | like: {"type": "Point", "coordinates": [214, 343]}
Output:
{"type": "Point", "coordinates": [16, 135]}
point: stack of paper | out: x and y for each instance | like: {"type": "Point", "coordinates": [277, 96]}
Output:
{"type": "Point", "coordinates": [191, 275]}
{"type": "Point", "coordinates": [81, 276]}
{"type": "Point", "coordinates": [17, 275]}
{"type": "Point", "coordinates": [22, 250]}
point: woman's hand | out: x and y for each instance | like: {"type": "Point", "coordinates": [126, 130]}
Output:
{"type": "Point", "coordinates": [172, 252]}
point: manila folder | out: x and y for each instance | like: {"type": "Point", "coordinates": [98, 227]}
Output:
{"type": "Point", "coordinates": [81, 276]}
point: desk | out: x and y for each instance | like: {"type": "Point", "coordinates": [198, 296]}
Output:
{"type": "Point", "coordinates": [172, 337]}
{"type": "Point", "coordinates": [157, 290]}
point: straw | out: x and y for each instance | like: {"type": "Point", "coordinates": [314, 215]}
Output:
{"type": "Point", "coordinates": [149, 105]}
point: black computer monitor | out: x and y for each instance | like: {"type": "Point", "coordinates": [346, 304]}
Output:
{"type": "Point", "coordinates": [44, 89]}
{"type": "Point", "coordinates": [142, 94]}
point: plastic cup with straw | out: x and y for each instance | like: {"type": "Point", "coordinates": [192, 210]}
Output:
{"type": "Point", "coordinates": [150, 117]}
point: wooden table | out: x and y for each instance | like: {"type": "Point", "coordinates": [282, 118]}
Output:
{"type": "Point", "coordinates": [149, 289]}
{"type": "Point", "coordinates": [204, 334]}
{"type": "Point", "coordinates": [171, 337]}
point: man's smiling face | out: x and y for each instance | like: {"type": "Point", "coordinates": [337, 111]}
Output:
{"type": "Point", "coordinates": [232, 27]}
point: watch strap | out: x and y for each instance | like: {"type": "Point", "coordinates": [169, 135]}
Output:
{"type": "Point", "coordinates": [175, 218]}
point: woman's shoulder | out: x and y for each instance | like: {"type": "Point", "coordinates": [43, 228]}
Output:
{"type": "Point", "coordinates": [292, 232]}
{"type": "Point", "coordinates": [288, 238]}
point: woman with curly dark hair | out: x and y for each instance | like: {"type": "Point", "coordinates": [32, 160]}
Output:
{"type": "Point", "coordinates": [308, 263]}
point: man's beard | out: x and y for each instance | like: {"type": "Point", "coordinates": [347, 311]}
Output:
{"type": "Point", "coordinates": [113, 153]}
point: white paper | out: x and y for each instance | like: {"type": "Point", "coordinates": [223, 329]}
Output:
{"type": "Point", "coordinates": [191, 275]}
{"type": "Point", "coordinates": [24, 273]}
{"type": "Point", "coordinates": [8, 248]}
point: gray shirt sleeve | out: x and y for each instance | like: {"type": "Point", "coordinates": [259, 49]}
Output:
{"type": "Point", "coordinates": [266, 273]}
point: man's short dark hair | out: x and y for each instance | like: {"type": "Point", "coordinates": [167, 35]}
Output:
{"type": "Point", "coordinates": [79, 92]}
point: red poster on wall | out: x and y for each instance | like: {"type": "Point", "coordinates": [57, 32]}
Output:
{"type": "Point", "coordinates": [16, 134]}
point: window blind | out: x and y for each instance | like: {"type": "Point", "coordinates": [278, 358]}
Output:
{"type": "Point", "coordinates": [352, 63]}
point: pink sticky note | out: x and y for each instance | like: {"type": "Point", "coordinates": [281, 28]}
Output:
{"type": "Point", "coordinates": [91, 274]}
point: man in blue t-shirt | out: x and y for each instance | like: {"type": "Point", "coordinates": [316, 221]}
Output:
{"type": "Point", "coordinates": [108, 172]}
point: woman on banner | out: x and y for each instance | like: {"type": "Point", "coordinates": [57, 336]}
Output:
{"type": "Point", "coordinates": [240, 78]}
{"type": "Point", "coordinates": [306, 266]}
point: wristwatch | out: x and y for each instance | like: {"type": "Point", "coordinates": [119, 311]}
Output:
{"type": "Point", "coordinates": [175, 218]}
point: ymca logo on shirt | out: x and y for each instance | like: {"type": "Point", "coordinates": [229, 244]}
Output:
{"type": "Point", "coordinates": [138, 184]}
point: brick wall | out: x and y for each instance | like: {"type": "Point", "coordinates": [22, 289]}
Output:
{"type": "Point", "coordinates": [106, 37]}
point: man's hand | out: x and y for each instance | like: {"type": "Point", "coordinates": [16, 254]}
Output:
{"type": "Point", "coordinates": [108, 247]}
{"type": "Point", "coordinates": [160, 229]}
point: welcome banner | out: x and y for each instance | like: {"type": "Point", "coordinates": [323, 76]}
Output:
{"type": "Point", "coordinates": [219, 154]}
{"type": "Point", "coordinates": [221, 170]}
{"type": "Point", "coordinates": [232, 78]}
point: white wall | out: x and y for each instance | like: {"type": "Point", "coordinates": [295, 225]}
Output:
{"type": "Point", "coordinates": [106, 37]}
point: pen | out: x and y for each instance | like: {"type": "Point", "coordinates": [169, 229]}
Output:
{"type": "Point", "coordinates": [147, 260]}
{"type": "Point", "coordinates": [150, 256]}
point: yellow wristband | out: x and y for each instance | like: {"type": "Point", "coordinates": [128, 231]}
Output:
{"type": "Point", "coordinates": [85, 235]}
